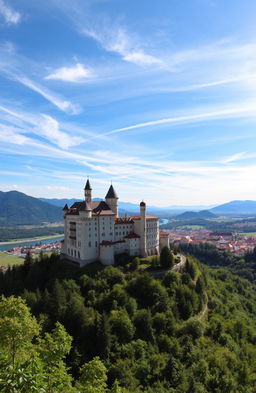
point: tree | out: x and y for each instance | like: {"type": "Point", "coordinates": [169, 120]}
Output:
{"type": "Point", "coordinates": [93, 377]}
{"type": "Point", "coordinates": [121, 326]}
{"type": "Point", "coordinates": [17, 328]}
{"type": "Point", "coordinates": [116, 387]}
{"type": "Point", "coordinates": [135, 263]}
{"type": "Point", "coordinates": [166, 258]}
{"type": "Point", "coordinates": [52, 349]}
{"type": "Point", "coordinates": [143, 324]}
{"type": "Point", "coordinates": [104, 336]}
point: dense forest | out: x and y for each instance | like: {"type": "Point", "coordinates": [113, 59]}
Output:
{"type": "Point", "coordinates": [13, 233]}
{"type": "Point", "coordinates": [210, 255]}
{"type": "Point", "coordinates": [118, 329]}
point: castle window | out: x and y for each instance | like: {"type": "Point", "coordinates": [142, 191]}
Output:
{"type": "Point", "coordinates": [68, 250]}
{"type": "Point", "coordinates": [75, 253]}
{"type": "Point", "coordinates": [78, 254]}
{"type": "Point", "coordinates": [89, 244]}
{"type": "Point", "coordinates": [96, 244]}
{"type": "Point", "coordinates": [71, 252]}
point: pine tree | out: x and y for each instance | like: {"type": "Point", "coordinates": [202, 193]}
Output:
{"type": "Point", "coordinates": [166, 258]}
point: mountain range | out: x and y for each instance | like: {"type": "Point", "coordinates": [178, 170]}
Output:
{"type": "Point", "coordinates": [17, 208]}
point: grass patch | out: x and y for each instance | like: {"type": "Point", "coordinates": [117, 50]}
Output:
{"type": "Point", "coordinates": [10, 260]}
{"type": "Point", "coordinates": [248, 234]}
{"type": "Point", "coordinates": [195, 227]}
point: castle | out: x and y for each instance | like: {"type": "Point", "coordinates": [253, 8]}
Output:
{"type": "Point", "coordinates": [93, 231]}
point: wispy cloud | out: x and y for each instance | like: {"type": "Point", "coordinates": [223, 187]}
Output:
{"type": "Point", "coordinates": [64, 105]}
{"type": "Point", "coordinates": [15, 67]}
{"type": "Point", "coordinates": [241, 110]}
{"type": "Point", "coordinates": [49, 128]}
{"type": "Point", "coordinates": [42, 125]}
{"type": "Point", "coordinates": [10, 16]}
{"type": "Point", "coordinates": [119, 41]}
{"type": "Point", "coordinates": [235, 157]}
{"type": "Point", "coordinates": [78, 73]}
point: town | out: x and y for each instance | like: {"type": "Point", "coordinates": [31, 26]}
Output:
{"type": "Point", "coordinates": [21, 251]}
{"type": "Point", "coordinates": [234, 242]}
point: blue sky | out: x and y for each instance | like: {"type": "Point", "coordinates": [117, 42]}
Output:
{"type": "Point", "coordinates": [159, 97]}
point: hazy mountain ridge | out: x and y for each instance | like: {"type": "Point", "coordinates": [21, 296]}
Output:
{"type": "Point", "coordinates": [126, 206]}
{"type": "Point", "coordinates": [194, 215]}
{"type": "Point", "coordinates": [17, 208]}
{"type": "Point", "coordinates": [235, 207]}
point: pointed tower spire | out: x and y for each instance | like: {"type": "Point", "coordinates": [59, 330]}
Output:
{"type": "Point", "coordinates": [87, 185]}
{"type": "Point", "coordinates": [88, 192]}
{"type": "Point", "coordinates": [112, 200]}
{"type": "Point", "coordinates": [111, 193]}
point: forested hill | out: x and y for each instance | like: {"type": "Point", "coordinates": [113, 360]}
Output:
{"type": "Point", "coordinates": [203, 214]}
{"type": "Point", "coordinates": [17, 208]}
{"type": "Point", "coordinates": [187, 332]}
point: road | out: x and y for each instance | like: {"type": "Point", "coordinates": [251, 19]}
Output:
{"type": "Point", "coordinates": [175, 268]}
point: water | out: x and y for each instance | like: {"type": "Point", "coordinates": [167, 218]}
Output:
{"type": "Point", "coordinates": [163, 221]}
{"type": "Point", "coordinates": [30, 243]}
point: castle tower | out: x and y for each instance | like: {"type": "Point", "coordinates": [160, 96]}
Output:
{"type": "Point", "coordinates": [143, 229]}
{"type": "Point", "coordinates": [88, 192]}
{"type": "Point", "coordinates": [112, 200]}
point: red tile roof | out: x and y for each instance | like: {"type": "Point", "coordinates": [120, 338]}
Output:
{"type": "Point", "coordinates": [124, 220]}
{"type": "Point", "coordinates": [163, 233]}
{"type": "Point", "coordinates": [132, 236]}
{"type": "Point", "coordinates": [148, 217]}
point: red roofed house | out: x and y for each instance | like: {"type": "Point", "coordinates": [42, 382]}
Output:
{"type": "Point", "coordinates": [94, 231]}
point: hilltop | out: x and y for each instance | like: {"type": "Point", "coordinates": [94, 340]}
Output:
{"type": "Point", "coordinates": [194, 215]}
{"type": "Point", "coordinates": [17, 208]}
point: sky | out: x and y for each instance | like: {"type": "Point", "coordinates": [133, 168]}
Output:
{"type": "Point", "coordinates": [158, 97]}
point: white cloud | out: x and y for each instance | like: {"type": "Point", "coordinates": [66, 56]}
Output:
{"type": "Point", "coordinates": [142, 59]}
{"type": "Point", "coordinates": [235, 157]}
{"type": "Point", "coordinates": [43, 125]}
{"type": "Point", "coordinates": [235, 111]}
{"type": "Point", "coordinates": [77, 73]}
{"type": "Point", "coordinates": [10, 134]}
{"type": "Point", "coordinates": [65, 106]}
{"type": "Point", "coordinates": [126, 45]}
{"type": "Point", "coordinates": [10, 16]}
{"type": "Point", "coordinates": [49, 128]}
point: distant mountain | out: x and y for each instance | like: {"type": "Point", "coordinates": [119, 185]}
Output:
{"type": "Point", "coordinates": [60, 202]}
{"type": "Point", "coordinates": [195, 215]}
{"type": "Point", "coordinates": [17, 208]}
{"type": "Point", "coordinates": [235, 208]}
{"type": "Point", "coordinates": [126, 207]}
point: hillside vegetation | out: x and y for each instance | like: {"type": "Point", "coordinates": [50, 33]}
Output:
{"type": "Point", "coordinates": [17, 208]}
{"type": "Point", "coordinates": [192, 331]}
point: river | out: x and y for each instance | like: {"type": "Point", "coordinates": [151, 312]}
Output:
{"type": "Point", "coordinates": [4, 247]}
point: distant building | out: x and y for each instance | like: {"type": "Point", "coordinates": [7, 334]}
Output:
{"type": "Point", "coordinates": [94, 231]}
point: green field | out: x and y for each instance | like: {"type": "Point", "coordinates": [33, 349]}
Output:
{"type": "Point", "coordinates": [194, 227]}
{"type": "Point", "coordinates": [248, 234]}
{"type": "Point", "coordinates": [10, 260]}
